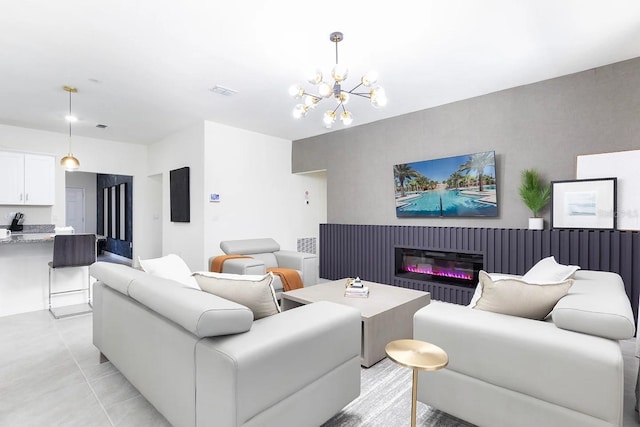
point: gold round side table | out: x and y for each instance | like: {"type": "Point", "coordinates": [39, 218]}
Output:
{"type": "Point", "coordinates": [419, 356]}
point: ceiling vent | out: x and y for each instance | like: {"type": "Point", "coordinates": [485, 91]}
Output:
{"type": "Point", "coordinates": [221, 90]}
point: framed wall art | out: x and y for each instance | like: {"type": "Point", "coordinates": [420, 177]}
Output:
{"type": "Point", "coordinates": [584, 204]}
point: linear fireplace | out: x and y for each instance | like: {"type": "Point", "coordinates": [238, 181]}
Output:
{"type": "Point", "coordinates": [454, 268]}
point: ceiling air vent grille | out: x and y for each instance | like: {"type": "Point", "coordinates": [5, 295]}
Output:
{"type": "Point", "coordinates": [225, 91]}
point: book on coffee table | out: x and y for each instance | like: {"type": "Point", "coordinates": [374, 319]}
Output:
{"type": "Point", "coordinates": [362, 292]}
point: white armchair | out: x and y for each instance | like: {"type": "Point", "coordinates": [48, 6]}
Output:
{"type": "Point", "coordinates": [266, 253]}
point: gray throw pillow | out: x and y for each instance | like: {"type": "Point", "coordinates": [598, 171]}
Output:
{"type": "Point", "coordinates": [518, 298]}
{"type": "Point", "coordinates": [253, 291]}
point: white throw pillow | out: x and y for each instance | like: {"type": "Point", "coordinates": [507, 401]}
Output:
{"type": "Point", "coordinates": [518, 298]}
{"type": "Point", "coordinates": [169, 267]}
{"type": "Point", "coordinates": [253, 291]}
{"type": "Point", "coordinates": [548, 271]}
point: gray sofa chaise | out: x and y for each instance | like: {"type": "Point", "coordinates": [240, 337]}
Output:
{"type": "Point", "coordinates": [510, 371]}
{"type": "Point", "coordinates": [201, 360]}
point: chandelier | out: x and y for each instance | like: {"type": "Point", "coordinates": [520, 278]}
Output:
{"type": "Point", "coordinates": [69, 162]}
{"type": "Point", "coordinates": [374, 93]}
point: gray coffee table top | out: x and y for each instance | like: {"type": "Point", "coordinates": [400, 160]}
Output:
{"type": "Point", "coordinates": [381, 297]}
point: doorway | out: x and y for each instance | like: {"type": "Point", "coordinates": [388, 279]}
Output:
{"type": "Point", "coordinates": [75, 208]}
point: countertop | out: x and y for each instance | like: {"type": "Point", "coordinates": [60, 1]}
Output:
{"type": "Point", "coordinates": [17, 237]}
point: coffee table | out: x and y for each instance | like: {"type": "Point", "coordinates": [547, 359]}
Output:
{"type": "Point", "coordinates": [387, 314]}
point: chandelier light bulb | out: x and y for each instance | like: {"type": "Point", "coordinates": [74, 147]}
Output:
{"type": "Point", "coordinates": [339, 73]}
{"type": "Point", "coordinates": [315, 77]}
{"type": "Point", "coordinates": [310, 101]}
{"type": "Point", "coordinates": [343, 98]}
{"type": "Point", "coordinates": [370, 79]}
{"type": "Point", "coordinates": [346, 118]}
{"type": "Point", "coordinates": [71, 118]}
{"type": "Point", "coordinates": [300, 111]}
{"type": "Point", "coordinates": [325, 90]}
{"type": "Point", "coordinates": [378, 97]}
{"type": "Point", "coordinates": [296, 91]}
{"type": "Point", "coordinates": [328, 118]}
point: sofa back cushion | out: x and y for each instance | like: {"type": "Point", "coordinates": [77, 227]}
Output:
{"type": "Point", "coordinates": [249, 246]}
{"type": "Point", "coordinates": [201, 313]}
{"type": "Point", "coordinates": [597, 304]}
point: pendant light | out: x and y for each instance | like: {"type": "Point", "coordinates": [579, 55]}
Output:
{"type": "Point", "coordinates": [69, 162]}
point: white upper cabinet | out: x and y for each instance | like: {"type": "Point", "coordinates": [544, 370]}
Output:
{"type": "Point", "coordinates": [27, 179]}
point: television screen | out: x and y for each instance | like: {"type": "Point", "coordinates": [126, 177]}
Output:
{"type": "Point", "coordinates": [179, 195]}
{"type": "Point", "coordinates": [460, 186]}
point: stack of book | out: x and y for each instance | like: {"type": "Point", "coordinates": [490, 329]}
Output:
{"type": "Point", "coordinates": [357, 292]}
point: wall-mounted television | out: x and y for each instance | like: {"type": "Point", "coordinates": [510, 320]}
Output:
{"type": "Point", "coordinates": [460, 186]}
{"type": "Point", "coordinates": [179, 195]}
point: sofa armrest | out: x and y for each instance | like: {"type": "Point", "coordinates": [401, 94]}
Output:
{"type": "Point", "coordinates": [528, 356]}
{"type": "Point", "coordinates": [239, 376]}
{"type": "Point", "coordinates": [244, 266]}
{"type": "Point", "coordinates": [306, 263]}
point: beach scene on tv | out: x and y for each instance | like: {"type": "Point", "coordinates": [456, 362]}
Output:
{"type": "Point", "coordinates": [453, 186]}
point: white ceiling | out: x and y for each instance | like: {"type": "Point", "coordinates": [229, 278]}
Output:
{"type": "Point", "coordinates": [145, 67]}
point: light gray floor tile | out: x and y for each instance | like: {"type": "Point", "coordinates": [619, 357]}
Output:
{"type": "Point", "coordinates": [112, 389]}
{"type": "Point", "coordinates": [69, 406]}
{"type": "Point", "coordinates": [136, 412]}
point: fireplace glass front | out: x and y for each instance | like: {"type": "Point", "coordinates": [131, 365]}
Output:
{"type": "Point", "coordinates": [453, 268]}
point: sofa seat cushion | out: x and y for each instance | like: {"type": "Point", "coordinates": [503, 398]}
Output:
{"type": "Point", "coordinates": [254, 292]}
{"type": "Point", "coordinates": [518, 298]}
{"type": "Point", "coordinates": [596, 305]}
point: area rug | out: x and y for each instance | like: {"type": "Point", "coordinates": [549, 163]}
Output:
{"type": "Point", "coordinates": [385, 400]}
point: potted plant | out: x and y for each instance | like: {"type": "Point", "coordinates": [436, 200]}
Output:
{"type": "Point", "coordinates": [535, 196]}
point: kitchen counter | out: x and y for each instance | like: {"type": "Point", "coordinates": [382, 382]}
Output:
{"type": "Point", "coordinates": [27, 238]}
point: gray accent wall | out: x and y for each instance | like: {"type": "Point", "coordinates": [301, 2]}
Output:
{"type": "Point", "coordinates": [544, 125]}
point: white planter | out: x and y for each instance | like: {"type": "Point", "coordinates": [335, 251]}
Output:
{"type": "Point", "coordinates": [536, 223]}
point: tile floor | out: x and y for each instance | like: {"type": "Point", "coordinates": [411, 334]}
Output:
{"type": "Point", "coordinates": [50, 375]}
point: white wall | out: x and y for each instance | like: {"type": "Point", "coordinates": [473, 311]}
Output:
{"type": "Point", "coordinates": [183, 148]}
{"type": "Point", "coordinates": [95, 155]}
{"type": "Point", "coordinates": [259, 196]}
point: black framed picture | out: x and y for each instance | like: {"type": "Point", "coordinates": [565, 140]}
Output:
{"type": "Point", "coordinates": [179, 195]}
{"type": "Point", "coordinates": [584, 203]}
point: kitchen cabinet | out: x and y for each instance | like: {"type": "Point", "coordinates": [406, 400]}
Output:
{"type": "Point", "coordinates": [27, 179]}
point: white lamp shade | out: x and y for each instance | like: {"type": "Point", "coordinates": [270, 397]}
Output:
{"type": "Point", "coordinates": [315, 77]}
{"type": "Point", "coordinates": [325, 90]}
{"type": "Point", "coordinates": [339, 73]}
{"type": "Point", "coordinates": [300, 111]}
{"type": "Point", "coordinates": [346, 118]}
{"type": "Point", "coordinates": [370, 78]}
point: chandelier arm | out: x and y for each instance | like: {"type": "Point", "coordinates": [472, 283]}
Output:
{"type": "Point", "coordinates": [361, 94]}
{"type": "Point", "coordinates": [336, 109]}
{"type": "Point", "coordinates": [356, 87]}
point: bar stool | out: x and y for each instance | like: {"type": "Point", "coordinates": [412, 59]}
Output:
{"type": "Point", "coordinates": [72, 251]}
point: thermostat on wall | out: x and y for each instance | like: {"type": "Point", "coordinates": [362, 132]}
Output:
{"type": "Point", "coordinates": [214, 197]}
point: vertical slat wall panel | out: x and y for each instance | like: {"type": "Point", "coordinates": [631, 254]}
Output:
{"type": "Point", "coordinates": [368, 251]}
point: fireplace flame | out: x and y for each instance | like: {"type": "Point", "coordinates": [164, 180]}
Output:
{"type": "Point", "coordinates": [457, 274]}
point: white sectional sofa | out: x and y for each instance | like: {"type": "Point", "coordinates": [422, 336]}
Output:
{"type": "Point", "coordinates": [202, 360]}
{"type": "Point", "coordinates": [565, 371]}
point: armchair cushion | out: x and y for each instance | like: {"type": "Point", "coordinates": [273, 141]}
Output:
{"type": "Point", "coordinates": [254, 292]}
